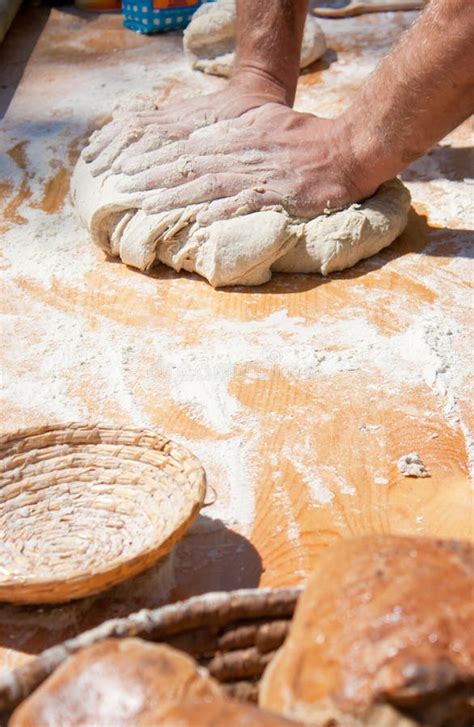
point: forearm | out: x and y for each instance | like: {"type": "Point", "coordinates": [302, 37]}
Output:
{"type": "Point", "coordinates": [269, 36]}
{"type": "Point", "coordinates": [422, 90]}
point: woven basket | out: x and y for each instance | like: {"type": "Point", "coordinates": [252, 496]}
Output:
{"type": "Point", "coordinates": [83, 507]}
{"type": "Point", "coordinates": [235, 635]}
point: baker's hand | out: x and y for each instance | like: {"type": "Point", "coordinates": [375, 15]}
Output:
{"type": "Point", "coordinates": [134, 133]}
{"type": "Point", "coordinates": [269, 156]}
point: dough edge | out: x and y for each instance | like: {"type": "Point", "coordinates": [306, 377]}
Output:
{"type": "Point", "coordinates": [242, 250]}
{"type": "Point", "coordinates": [209, 39]}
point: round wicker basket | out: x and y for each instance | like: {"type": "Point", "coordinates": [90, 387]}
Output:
{"type": "Point", "coordinates": [83, 507]}
{"type": "Point", "coordinates": [234, 635]}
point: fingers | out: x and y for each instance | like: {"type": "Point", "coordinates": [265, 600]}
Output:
{"type": "Point", "coordinates": [247, 201]}
{"type": "Point", "coordinates": [155, 137]}
{"type": "Point", "coordinates": [101, 139]}
{"type": "Point", "coordinates": [119, 126]}
{"type": "Point", "coordinates": [158, 127]}
{"type": "Point", "coordinates": [205, 117]}
{"type": "Point", "coordinates": [144, 153]}
{"type": "Point", "coordinates": [204, 189]}
{"type": "Point", "coordinates": [106, 146]}
{"type": "Point", "coordinates": [163, 126]}
{"type": "Point", "coordinates": [152, 151]}
{"type": "Point", "coordinates": [98, 141]}
{"type": "Point", "coordinates": [104, 159]}
{"type": "Point", "coordinates": [199, 114]}
{"type": "Point", "coordinates": [142, 133]}
{"type": "Point", "coordinates": [143, 174]}
{"type": "Point", "coordinates": [167, 153]}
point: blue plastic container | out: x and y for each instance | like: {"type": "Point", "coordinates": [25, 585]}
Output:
{"type": "Point", "coordinates": [153, 16]}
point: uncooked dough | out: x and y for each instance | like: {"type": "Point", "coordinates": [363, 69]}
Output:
{"type": "Point", "coordinates": [239, 251]}
{"type": "Point", "coordinates": [411, 465]}
{"type": "Point", "coordinates": [209, 39]}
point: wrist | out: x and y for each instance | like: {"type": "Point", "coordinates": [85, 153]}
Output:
{"type": "Point", "coordinates": [363, 157]}
{"type": "Point", "coordinates": [251, 79]}
{"type": "Point", "coordinates": [375, 152]}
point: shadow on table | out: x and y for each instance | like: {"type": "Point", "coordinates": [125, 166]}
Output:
{"type": "Point", "coordinates": [308, 76]}
{"type": "Point", "coordinates": [211, 557]}
{"type": "Point", "coordinates": [442, 162]}
{"type": "Point", "coordinates": [17, 47]}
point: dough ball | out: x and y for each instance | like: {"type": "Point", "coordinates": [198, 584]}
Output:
{"type": "Point", "coordinates": [209, 39]}
{"type": "Point", "coordinates": [382, 635]}
{"type": "Point", "coordinates": [116, 682]}
{"type": "Point", "coordinates": [239, 251]}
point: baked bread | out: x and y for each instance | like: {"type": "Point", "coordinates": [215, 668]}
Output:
{"type": "Point", "coordinates": [221, 713]}
{"type": "Point", "coordinates": [383, 634]}
{"type": "Point", "coordinates": [115, 683]}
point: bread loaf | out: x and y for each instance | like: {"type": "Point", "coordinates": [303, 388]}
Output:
{"type": "Point", "coordinates": [383, 634]}
{"type": "Point", "coordinates": [221, 713]}
{"type": "Point", "coordinates": [115, 683]}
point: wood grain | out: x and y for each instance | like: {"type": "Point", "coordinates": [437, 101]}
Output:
{"type": "Point", "coordinates": [86, 506]}
{"type": "Point", "coordinates": [298, 397]}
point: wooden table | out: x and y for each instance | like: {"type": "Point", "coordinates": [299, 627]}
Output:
{"type": "Point", "coordinates": [299, 396]}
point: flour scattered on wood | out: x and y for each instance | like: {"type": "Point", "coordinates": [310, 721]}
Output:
{"type": "Point", "coordinates": [75, 354]}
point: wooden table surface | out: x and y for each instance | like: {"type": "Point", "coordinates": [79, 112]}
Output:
{"type": "Point", "coordinates": [299, 396]}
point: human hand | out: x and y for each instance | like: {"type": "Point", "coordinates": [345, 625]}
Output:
{"type": "Point", "coordinates": [269, 156]}
{"type": "Point", "coordinates": [134, 133]}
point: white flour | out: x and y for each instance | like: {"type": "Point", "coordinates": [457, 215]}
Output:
{"type": "Point", "coordinates": [69, 356]}
{"type": "Point", "coordinates": [198, 379]}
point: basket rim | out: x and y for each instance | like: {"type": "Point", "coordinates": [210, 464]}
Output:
{"type": "Point", "coordinates": [17, 684]}
{"type": "Point", "coordinates": [156, 549]}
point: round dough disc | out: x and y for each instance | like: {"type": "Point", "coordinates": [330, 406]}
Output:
{"type": "Point", "coordinates": [209, 39]}
{"type": "Point", "coordinates": [239, 251]}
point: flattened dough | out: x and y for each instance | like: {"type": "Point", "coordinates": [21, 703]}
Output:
{"type": "Point", "coordinates": [209, 39]}
{"type": "Point", "coordinates": [239, 251]}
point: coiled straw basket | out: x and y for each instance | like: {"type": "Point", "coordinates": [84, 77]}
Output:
{"type": "Point", "coordinates": [83, 507]}
{"type": "Point", "coordinates": [235, 635]}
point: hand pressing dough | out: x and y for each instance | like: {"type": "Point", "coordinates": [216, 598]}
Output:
{"type": "Point", "coordinates": [239, 251]}
{"type": "Point", "coordinates": [209, 40]}
{"type": "Point", "coordinates": [382, 635]}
